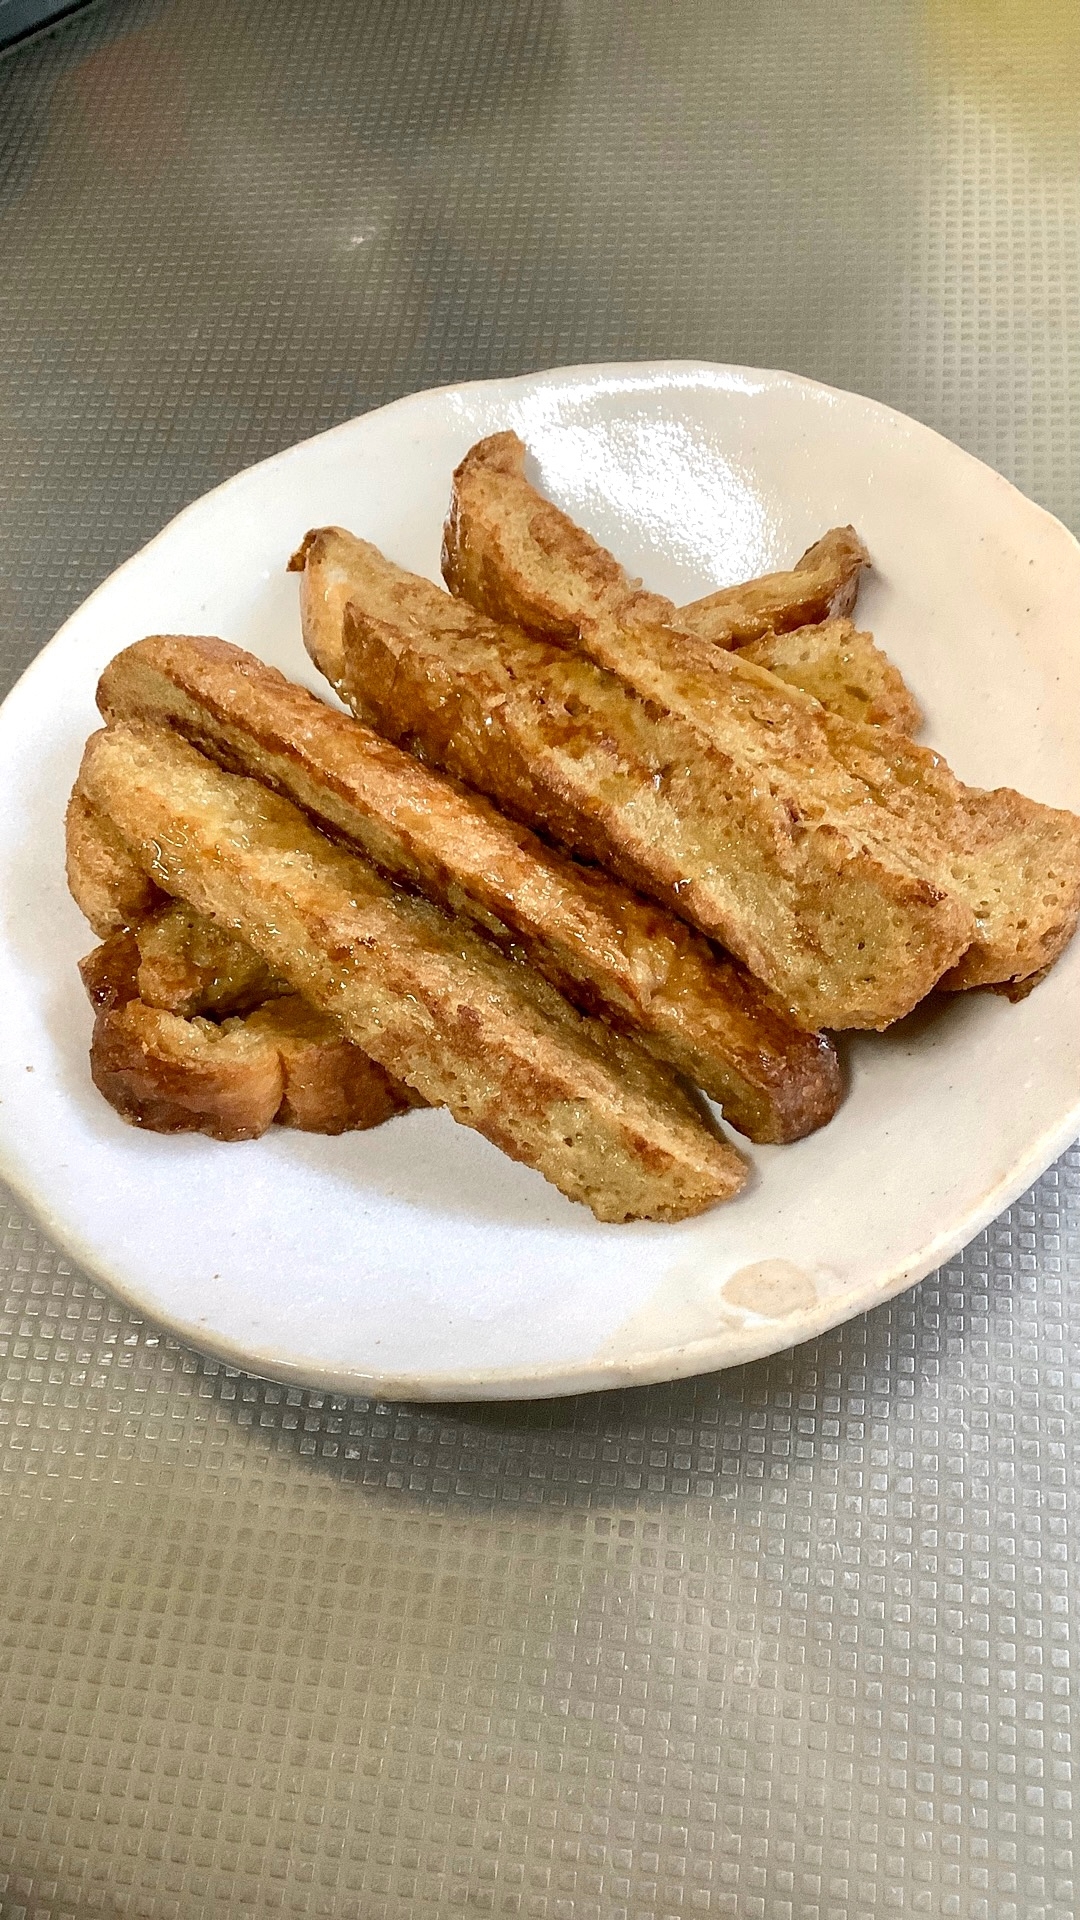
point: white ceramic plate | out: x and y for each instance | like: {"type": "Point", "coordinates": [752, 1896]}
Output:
{"type": "Point", "coordinates": [416, 1261]}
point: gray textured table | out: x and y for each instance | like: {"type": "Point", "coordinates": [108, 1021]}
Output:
{"type": "Point", "coordinates": [793, 1643]}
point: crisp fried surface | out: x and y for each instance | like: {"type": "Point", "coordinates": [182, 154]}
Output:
{"type": "Point", "coordinates": [172, 1075]}
{"type": "Point", "coordinates": [606, 947]}
{"type": "Point", "coordinates": [766, 844]}
{"type": "Point", "coordinates": [427, 998]}
{"type": "Point", "coordinates": [844, 669]}
{"type": "Point", "coordinates": [106, 884]}
{"type": "Point", "coordinates": [822, 585]}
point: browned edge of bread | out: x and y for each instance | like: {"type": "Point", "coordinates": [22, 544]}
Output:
{"type": "Point", "coordinates": [173, 1074]}
{"type": "Point", "coordinates": [822, 586]}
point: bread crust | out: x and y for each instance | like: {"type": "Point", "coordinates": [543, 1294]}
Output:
{"type": "Point", "coordinates": [159, 1077]}
{"type": "Point", "coordinates": [430, 1000]}
{"type": "Point", "coordinates": [329, 1085]}
{"type": "Point", "coordinates": [822, 586]}
{"type": "Point", "coordinates": [169, 1074]}
{"type": "Point", "coordinates": [607, 948]}
{"type": "Point", "coordinates": [106, 884]}
{"type": "Point", "coordinates": [498, 524]}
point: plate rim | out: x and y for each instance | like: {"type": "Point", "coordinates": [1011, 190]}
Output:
{"type": "Point", "coordinates": [727, 1347]}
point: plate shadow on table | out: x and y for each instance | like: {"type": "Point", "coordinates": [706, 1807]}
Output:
{"type": "Point", "coordinates": [508, 1454]}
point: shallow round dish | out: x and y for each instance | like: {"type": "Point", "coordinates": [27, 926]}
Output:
{"type": "Point", "coordinates": [416, 1261]}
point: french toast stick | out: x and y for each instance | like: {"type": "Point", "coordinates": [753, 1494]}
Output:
{"type": "Point", "coordinates": [498, 527]}
{"type": "Point", "coordinates": [176, 961]}
{"type": "Point", "coordinates": [434, 1003]}
{"type": "Point", "coordinates": [784, 866]}
{"type": "Point", "coordinates": [1013, 863]}
{"type": "Point", "coordinates": [607, 948]}
{"type": "Point", "coordinates": [496, 517]}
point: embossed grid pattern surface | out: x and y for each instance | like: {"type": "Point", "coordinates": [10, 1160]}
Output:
{"type": "Point", "coordinates": [793, 1643]}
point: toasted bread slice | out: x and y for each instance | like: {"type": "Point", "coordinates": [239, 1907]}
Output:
{"type": "Point", "coordinates": [822, 586]}
{"type": "Point", "coordinates": [106, 884]}
{"type": "Point", "coordinates": [844, 669]}
{"type": "Point", "coordinates": [1013, 864]}
{"type": "Point", "coordinates": [802, 889]}
{"type": "Point", "coordinates": [608, 949]}
{"type": "Point", "coordinates": [171, 1075]}
{"type": "Point", "coordinates": [517, 557]}
{"type": "Point", "coordinates": [430, 1000]}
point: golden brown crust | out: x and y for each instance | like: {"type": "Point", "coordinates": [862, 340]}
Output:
{"type": "Point", "coordinates": [171, 1075]}
{"type": "Point", "coordinates": [778, 862]}
{"type": "Point", "coordinates": [844, 669]}
{"type": "Point", "coordinates": [105, 883]}
{"type": "Point", "coordinates": [607, 948]}
{"type": "Point", "coordinates": [168, 1080]}
{"type": "Point", "coordinates": [431, 1001]}
{"type": "Point", "coordinates": [110, 973]}
{"type": "Point", "coordinates": [497, 520]}
{"type": "Point", "coordinates": [823, 585]}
